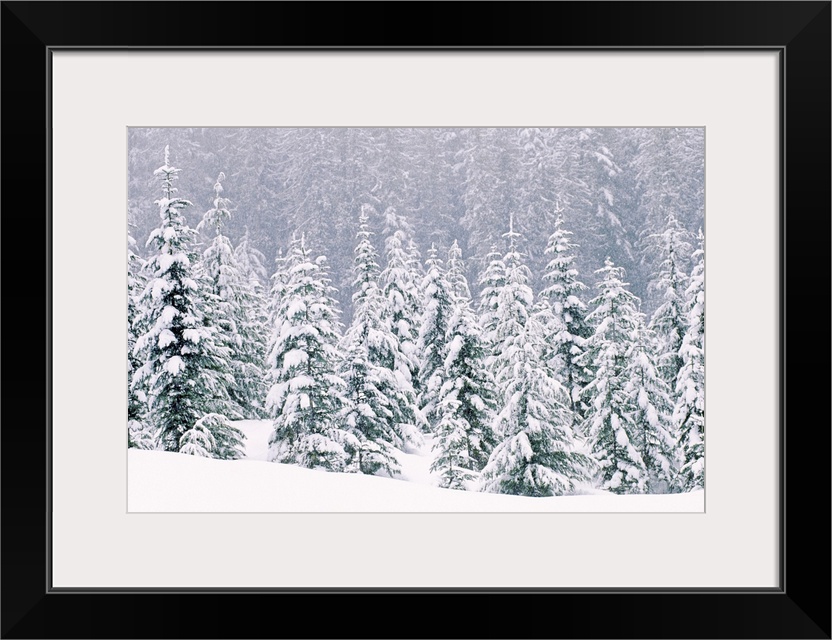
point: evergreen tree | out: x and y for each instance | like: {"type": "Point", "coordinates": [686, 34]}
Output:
{"type": "Point", "coordinates": [539, 455]}
{"type": "Point", "coordinates": [251, 346]}
{"type": "Point", "coordinates": [689, 412]}
{"type": "Point", "coordinates": [451, 457]}
{"type": "Point", "coordinates": [650, 398]}
{"type": "Point", "coordinates": [279, 283]}
{"type": "Point", "coordinates": [254, 330]}
{"type": "Point", "coordinates": [431, 346]}
{"type": "Point", "coordinates": [401, 295]}
{"type": "Point", "coordinates": [416, 276]}
{"type": "Point", "coordinates": [383, 412]}
{"type": "Point", "coordinates": [305, 400]}
{"type": "Point", "coordinates": [568, 329]}
{"type": "Point", "coordinates": [609, 422]}
{"type": "Point", "coordinates": [138, 434]}
{"type": "Point", "coordinates": [234, 310]}
{"type": "Point", "coordinates": [669, 321]}
{"type": "Point", "coordinates": [457, 281]}
{"type": "Point", "coordinates": [185, 368]}
{"type": "Point", "coordinates": [491, 282]}
{"type": "Point", "coordinates": [466, 401]}
{"type": "Point", "coordinates": [514, 306]}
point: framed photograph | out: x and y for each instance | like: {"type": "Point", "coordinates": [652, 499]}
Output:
{"type": "Point", "coordinates": [419, 346]}
{"type": "Point", "coordinates": [616, 133]}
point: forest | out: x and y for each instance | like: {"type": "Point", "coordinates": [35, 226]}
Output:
{"type": "Point", "coordinates": [526, 305]}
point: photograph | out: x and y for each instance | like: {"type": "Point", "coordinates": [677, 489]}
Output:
{"type": "Point", "coordinates": [416, 319]}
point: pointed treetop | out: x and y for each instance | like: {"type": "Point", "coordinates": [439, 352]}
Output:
{"type": "Point", "coordinates": [608, 265]}
{"type": "Point", "coordinates": [220, 213]}
{"type": "Point", "coordinates": [558, 215]}
{"type": "Point", "coordinates": [512, 235]}
{"type": "Point", "coordinates": [456, 272]}
{"type": "Point", "coordinates": [363, 217]}
{"type": "Point", "coordinates": [168, 174]}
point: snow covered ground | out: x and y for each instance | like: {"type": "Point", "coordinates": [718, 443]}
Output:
{"type": "Point", "coordinates": [172, 482]}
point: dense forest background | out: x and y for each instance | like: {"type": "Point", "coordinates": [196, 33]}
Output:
{"type": "Point", "coordinates": [614, 188]}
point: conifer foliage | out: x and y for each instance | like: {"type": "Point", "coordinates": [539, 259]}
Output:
{"type": "Point", "coordinates": [184, 367]}
{"type": "Point", "coordinates": [382, 412]}
{"type": "Point", "coordinates": [514, 302]}
{"type": "Point", "coordinates": [305, 399]}
{"type": "Point", "coordinates": [522, 388]}
{"type": "Point", "coordinates": [431, 345]}
{"type": "Point", "coordinates": [492, 280]}
{"type": "Point", "coordinates": [669, 321]}
{"type": "Point", "coordinates": [652, 406]}
{"type": "Point", "coordinates": [539, 455]}
{"type": "Point", "coordinates": [466, 401]}
{"type": "Point", "coordinates": [610, 423]}
{"type": "Point", "coordinates": [139, 435]}
{"type": "Point", "coordinates": [234, 308]}
{"type": "Point", "coordinates": [402, 297]}
{"type": "Point", "coordinates": [567, 328]}
{"type": "Point", "coordinates": [689, 412]}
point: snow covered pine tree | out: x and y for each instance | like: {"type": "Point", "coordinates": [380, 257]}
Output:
{"type": "Point", "coordinates": [689, 413]}
{"type": "Point", "coordinates": [538, 455]}
{"type": "Point", "coordinates": [383, 412]}
{"type": "Point", "coordinates": [184, 368]}
{"type": "Point", "coordinates": [569, 329]}
{"type": "Point", "coordinates": [233, 310]}
{"type": "Point", "coordinates": [609, 422]}
{"type": "Point", "coordinates": [307, 394]}
{"type": "Point", "coordinates": [466, 399]}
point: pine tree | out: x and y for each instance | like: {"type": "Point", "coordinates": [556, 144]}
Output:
{"type": "Point", "coordinates": [650, 398]}
{"type": "Point", "coordinates": [492, 280]}
{"type": "Point", "coordinates": [431, 345]}
{"type": "Point", "coordinates": [568, 328]}
{"type": "Point", "coordinates": [305, 400]}
{"type": "Point", "coordinates": [234, 310]}
{"type": "Point", "coordinates": [416, 276]}
{"type": "Point", "coordinates": [138, 434]}
{"type": "Point", "coordinates": [279, 283]}
{"type": "Point", "coordinates": [383, 412]}
{"type": "Point", "coordinates": [401, 295]}
{"type": "Point", "coordinates": [451, 456]}
{"type": "Point", "coordinates": [185, 368]}
{"type": "Point", "coordinates": [539, 455]}
{"type": "Point", "coordinates": [689, 412]}
{"type": "Point", "coordinates": [609, 422]}
{"type": "Point", "coordinates": [254, 325]}
{"type": "Point", "coordinates": [514, 306]}
{"type": "Point", "coordinates": [457, 281]}
{"type": "Point", "coordinates": [669, 321]}
{"type": "Point", "coordinates": [466, 400]}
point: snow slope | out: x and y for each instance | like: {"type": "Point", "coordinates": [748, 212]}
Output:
{"type": "Point", "coordinates": [172, 482]}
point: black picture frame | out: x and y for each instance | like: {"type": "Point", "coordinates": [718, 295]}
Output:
{"type": "Point", "coordinates": [798, 608]}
